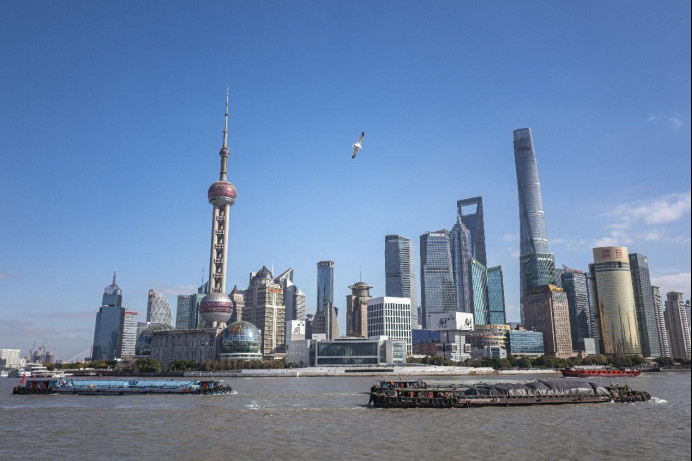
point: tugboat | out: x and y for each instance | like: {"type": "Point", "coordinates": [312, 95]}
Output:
{"type": "Point", "coordinates": [574, 372]}
{"type": "Point", "coordinates": [119, 387]}
{"type": "Point", "coordinates": [419, 394]}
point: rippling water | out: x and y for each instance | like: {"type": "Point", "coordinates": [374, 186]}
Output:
{"type": "Point", "coordinates": [322, 418]}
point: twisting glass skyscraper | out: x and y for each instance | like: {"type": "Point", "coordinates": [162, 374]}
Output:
{"type": "Point", "coordinates": [438, 294]}
{"type": "Point", "coordinates": [537, 265]}
{"type": "Point", "coordinates": [400, 272]}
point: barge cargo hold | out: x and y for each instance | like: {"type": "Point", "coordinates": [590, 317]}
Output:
{"type": "Point", "coordinates": [575, 372]}
{"type": "Point", "coordinates": [419, 394]}
{"type": "Point", "coordinates": [120, 387]}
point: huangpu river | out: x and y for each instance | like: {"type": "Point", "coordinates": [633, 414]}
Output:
{"type": "Point", "coordinates": [327, 418]}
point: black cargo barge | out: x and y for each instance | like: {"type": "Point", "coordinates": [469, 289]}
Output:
{"type": "Point", "coordinates": [419, 394]}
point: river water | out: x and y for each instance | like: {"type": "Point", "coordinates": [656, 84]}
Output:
{"type": "Point", "coordinates": [326, 418]}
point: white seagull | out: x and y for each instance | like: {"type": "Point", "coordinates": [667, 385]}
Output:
{"type": "Point", "coordinates": [357, 146]}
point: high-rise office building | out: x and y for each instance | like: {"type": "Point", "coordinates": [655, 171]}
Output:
{"type": "Point", "coordinates": [462, 255]}
{"type": "Point", "coordinates": [158, 309]}
{"type": "Point", "coordinates": [616, 318]}
{"type": "Point", "coordinates": [325, 284]}
{"type": "Point", "coordinates": [400, 272]}
{"type": "Point", "coordinates": [496, 296]}
{"type": "Point", "coordinates": [216, 307]}
{"type": "Point", "coordinates": [479, 289]}
{"type": "Point", "coordinates": [536, 263]}
{"type": "Point", "coordinates": [677, 326]}
{"type": "Point", "coordinates": [663, 342]}
{"type": "Point", "coordinates": [108, 322]}
{"type": "Point", "coordinates": [390, 317]}
{"type": "Point", "coordinates": [357, 310]}
{"type": "Point", "coordinates": [547, 310]}
{"type": "Point", "coordinates": [576, 289]}
{"type": "Point", "coordinates": [438, 293]}
{"type": "Point", "coordinates": [294, 301]}
{"type": "Point", "coordinates": [592, 308]}
{"type": "Point", "coordinates": [129, 333]}
{"type": "Point", "coordinates": [264, 308]}
{"type": "Point", "coordinates": [182, 312]}
{"type": "Point", "coordinates": [470, 210]}
{"type": "Point", "coordinates": [644, 305]}
{"type": "Point", "coordinates": [238, 301]}
{"type": "Point", "coordinates": [688, 311]}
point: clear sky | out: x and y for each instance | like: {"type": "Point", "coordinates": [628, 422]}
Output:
{"type": "Point", "coordinates": [112, 118]}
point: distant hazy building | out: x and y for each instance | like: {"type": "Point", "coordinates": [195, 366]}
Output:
{"type": "Point", "coordinates": [238, 302]}
{"type": "Point", "coordinates": [496, 296]}
{"type": "Point", "coordinates": [264, 308]}
{"type": "Point", "coordinates": [357, 310]}
{"type": "Point", "coordinates": [400, 272]}
{"type": "Point", "coordinates": [616, 318]}
{"type": "Point", "coordinates": [677, 326]}
{"type": "Point", "coordinates": [479, 289]}
{"type": "Point", "coordinates": [536, 263]}
{"type": "Point", "coordinates": [9, 358]}
{"type": "Point", "coordinates": [182, 311]}
{"type": "Point", "coordinates": [663, 342]}
{"type": "Point", "coordinates": [158, 309]}
{"type": "Point", "coordinates": [644, 305]}
{"type": "Point", "coordinates": [580, 316]}
{"type": "Point", "coordinates": [462, 255]}
{"type": "Point", "coordinates": [390, 317]}
{"type": "Point", "coordinates": [470, 210]}
{"type": "Point", "coordinates": [325, 322]}
{"type": "Point", "coordinates": [547, 311]}
{"type": "Point", "coordinates": [438, 293]}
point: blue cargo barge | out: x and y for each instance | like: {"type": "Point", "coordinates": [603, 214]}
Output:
{"type": "Point", "coordinates": [120, 387]}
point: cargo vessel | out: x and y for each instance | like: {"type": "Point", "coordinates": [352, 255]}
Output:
{"type": "Point", "coordinates": [119, 387]}
{"type": "Point", "coordinates": [419, 394]}
{"type": "Point", "coordinates": [574, 372]}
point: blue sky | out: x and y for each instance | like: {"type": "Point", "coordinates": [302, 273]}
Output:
{"type": "Point", "coordinates": [112, 116]}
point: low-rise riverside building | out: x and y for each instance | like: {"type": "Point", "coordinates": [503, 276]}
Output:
{"type": "Point", "coordinates": [346, 352]}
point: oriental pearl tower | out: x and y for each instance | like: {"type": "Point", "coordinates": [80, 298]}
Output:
{"type": "Point", "coordinates": [216, 307]}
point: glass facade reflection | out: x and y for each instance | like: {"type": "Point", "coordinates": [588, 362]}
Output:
{"type": "Point", "coordinates": [580, 315]}
{"type": "Point", "coordinates": [438, 293]}
{"type": "Point", "coordinates": [400, 272]}
{"type": "Point", "coordinates": [479, 277]}
{"type": "Point", "coordinates": [496, 295]}
{"type": "Point", "coordinates": [644, 306]}
{"type": "Point", "coordinates": [525, 342]}
{"type": "Point", "coordinates": [241, 340]}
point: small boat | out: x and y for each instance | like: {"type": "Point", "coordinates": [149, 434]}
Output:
{"type": "Point", "coordinates": [119, 387]}
{"type": "Point", "coordinates": [419, 394]}
{"type": "Point", "coordinates": [577, 372]}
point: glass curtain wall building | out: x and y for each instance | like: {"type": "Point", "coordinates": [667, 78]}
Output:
{"type": "Point", "coordinates": [438, 293]}
{"type": "Point", "coordinates": [479, 281]}
{"type": "Point", "coordinates": [536, 263]}
{"type": "Point", "coordinates": [663, 343]}
{"type": "Point", "coordinates": [325, 284]}
{"type": "Point", "coordinates": [158, 309]}
{"type": "Point", "coordinates": [470, 210]}
{"type": "Point", "coordinates": [580, 315]}
{"type": "Point", "coordinates": [462, 255]}
{"type": "Point", "coordinates": [496, 296]}
{"type": "Point", "coordinates": [400, 272]}
{"type": "Point", "coordinates": [644, 306]}
{"type": "Point", "coordinates": [678, 326]}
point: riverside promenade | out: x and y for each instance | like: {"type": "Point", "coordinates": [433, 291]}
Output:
{"type": "Point", "coordinates": [429, 370]}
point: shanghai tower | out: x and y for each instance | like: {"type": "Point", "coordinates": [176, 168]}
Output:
{"type": "Point", "coordinates": [536, 263]}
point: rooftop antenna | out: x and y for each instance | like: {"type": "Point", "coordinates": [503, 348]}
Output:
{"type": "Point", "coordinates": [360, 272]}
{"type": "Point", "coordinates": [203, 278]}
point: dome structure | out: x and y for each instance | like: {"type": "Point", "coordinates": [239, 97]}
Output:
{"type": "Point", "coordinates": [241, 340]}
{"type": "Point", "coordinates": [143, 344]}
{"type": "Point", "coordinates": [222, 193]}
{"type": "Point", "coordinates": [216, 308]}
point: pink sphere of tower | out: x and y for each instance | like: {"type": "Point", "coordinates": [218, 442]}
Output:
{"type": "Point", "coordinates": [222, 193]}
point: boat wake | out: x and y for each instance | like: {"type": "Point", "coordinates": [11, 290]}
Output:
{"type": "Point", "coordinates": [657, 400]}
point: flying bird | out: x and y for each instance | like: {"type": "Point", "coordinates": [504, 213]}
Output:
{"type": "Point", "coordinates": [357, 146]}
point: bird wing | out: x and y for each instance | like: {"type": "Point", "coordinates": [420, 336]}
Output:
{"type": "Point", "coordinates": [362, 135]}
{"type": "Point", "coordinates": [355, 152]}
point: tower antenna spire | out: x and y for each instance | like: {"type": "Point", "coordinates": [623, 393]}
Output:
{"type": "Point", "coordinates": [225, 123]}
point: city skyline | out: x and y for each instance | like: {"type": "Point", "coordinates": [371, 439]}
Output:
{"type": "Point", "coordinates": [96, 125]}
